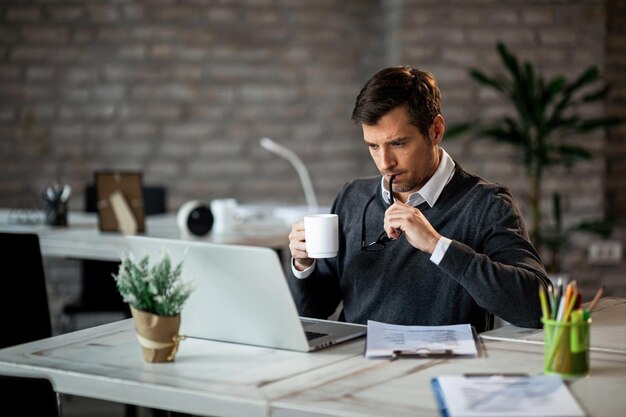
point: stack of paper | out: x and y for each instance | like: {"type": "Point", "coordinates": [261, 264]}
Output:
{"type": "Point", "coordinates": [390, 340]}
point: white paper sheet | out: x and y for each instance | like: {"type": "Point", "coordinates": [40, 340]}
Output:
{"type": "Point", "coordinates": [385, 339]}
{"type": "Point", "coordinates": [504, 396]}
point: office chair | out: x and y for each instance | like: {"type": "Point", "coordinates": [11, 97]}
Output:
{"type": "Point", "coordinates": [98, 291]}
{"type": "Point", "coordinates": [27, 318]}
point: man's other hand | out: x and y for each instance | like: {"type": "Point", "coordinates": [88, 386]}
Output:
{"type": "Point", "coordinates": [416, 228]}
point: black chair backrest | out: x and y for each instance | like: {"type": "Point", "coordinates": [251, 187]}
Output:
{"type": "Point", "coordinates": [26, 315]}
{"type": "Point", "coordinates": [154, 199]}
{"type": "Point", "coordinates": [22, 396]}
{"type": "Point", "coordinates": [25, 299]}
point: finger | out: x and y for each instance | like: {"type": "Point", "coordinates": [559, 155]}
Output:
{"type": "Point", "coordinates": [298, 225]}
{"type": "Point", "coordinates": [394, 216]}
{"type": "Point", "coordinates": [392, 226]}
{"type": "Point", "coordinates": [296, 236]}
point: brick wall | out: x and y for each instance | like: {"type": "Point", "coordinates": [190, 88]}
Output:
{"type": "Point", "coordinates": [184, 89]}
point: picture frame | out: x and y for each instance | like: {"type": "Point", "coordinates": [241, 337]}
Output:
{"type": "Point", "coordinates": [126, 185]}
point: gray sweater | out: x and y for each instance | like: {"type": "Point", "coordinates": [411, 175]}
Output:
{"type": "Point", "coordinates": [490, 267]}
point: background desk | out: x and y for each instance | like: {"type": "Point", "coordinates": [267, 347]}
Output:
{"type": "Point", "coordinates": [82, 239]}
{"type": "Point", "coordinates": [213, 378]}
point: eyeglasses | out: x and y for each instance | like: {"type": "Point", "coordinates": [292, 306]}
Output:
{"type": "Point", "coordinates": [380, 243]}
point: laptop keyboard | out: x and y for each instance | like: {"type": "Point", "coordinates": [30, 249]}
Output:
{"type": "Point", "coordinates": [314, 335]}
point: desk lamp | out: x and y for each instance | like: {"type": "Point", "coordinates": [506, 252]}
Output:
{"type": "Point", "coordinates": [303, 173]}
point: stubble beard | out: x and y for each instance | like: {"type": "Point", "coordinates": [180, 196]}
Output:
{"type": "Point", "coordinates": [413, 184]}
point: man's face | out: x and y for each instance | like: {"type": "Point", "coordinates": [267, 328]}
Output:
{"type": "Point", "coordinates": [399, 148]}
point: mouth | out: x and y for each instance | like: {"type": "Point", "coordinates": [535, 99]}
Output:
{"type": "Point", "coordinates": [393, 175]}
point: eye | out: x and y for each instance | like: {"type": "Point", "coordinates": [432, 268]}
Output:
{"type": "Point", "coordinates": [372, 146]}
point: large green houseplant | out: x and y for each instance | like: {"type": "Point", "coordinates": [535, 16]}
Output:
{"type": "Point", "coordinates": [156, 295]}
{"type": "Point", "coordinates": [547, 115]}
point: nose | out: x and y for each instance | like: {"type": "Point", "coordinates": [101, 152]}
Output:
{"type": "Point", "coordinates": [387, 159]}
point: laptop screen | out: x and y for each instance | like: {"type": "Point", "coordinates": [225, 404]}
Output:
{"type": "Point", "coordinates": [240, 292]}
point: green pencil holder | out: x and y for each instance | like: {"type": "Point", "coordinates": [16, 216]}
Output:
{"type": "Point", "coordinates": [566, 347]}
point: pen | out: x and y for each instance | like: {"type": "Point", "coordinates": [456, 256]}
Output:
{"type": "Point", "coordinates": [559, 313]}
{"type": "Point", "coordinates": [554, 303]}
{"type": "Point", "coordinates": [596, 298]}
{"type": "Point", "coordinates": [503, 374]}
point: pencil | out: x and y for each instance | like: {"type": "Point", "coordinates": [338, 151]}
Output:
{"type": "Point", "coordinates": [570, 308]}
{"type": "Point", "coordinates": [560, 331]}
{"type": "Point", "coordinates": [596, 298]}
{"type": "Point", "coordinates": [544, 304]}
{"type": "Point", "coordinates": [568, 295]}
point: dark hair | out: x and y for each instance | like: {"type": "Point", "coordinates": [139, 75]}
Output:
{"type": "Point", "coordinates": [397, 86]}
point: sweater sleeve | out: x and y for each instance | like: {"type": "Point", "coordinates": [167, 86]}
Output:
{"type": "Point", "coordinates": [505, 273]}
{"type": "Point", "coordinates": [318, 295]}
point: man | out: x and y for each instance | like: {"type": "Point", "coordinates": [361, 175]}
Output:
{"type": "Point", "coordinates": [440, 246]}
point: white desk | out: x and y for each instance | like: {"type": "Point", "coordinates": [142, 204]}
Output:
{"type": "Point", "coordinates": [82, 239]}
{"type": "Point", "coordinates": [608, 328]}
{"type": "Point", "coordinates": [212, 378]}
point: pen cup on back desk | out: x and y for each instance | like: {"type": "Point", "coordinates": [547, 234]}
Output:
{"type": "Point", "coordinates": [566, 346]}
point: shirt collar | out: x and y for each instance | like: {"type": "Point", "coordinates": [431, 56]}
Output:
{"type": "Point", "coordinates": [431, 191]}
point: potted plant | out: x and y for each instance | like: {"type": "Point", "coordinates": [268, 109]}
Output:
{"type": "Point", "coordinates": [546, 114]}
{"type": "Point", "coordinates": [156, 295]}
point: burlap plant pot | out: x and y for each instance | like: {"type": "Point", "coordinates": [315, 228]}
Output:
{"type": "Point", "coordinates": [157, 335]}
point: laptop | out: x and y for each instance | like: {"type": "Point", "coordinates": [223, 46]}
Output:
{"type": "Point", "coordinates": [241, 296]}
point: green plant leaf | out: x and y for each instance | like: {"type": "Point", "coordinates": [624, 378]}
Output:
{"type": "Point", "coordinates": [158, 290]}
{"type": "Point", "coordinates": [588, 76]}
{"type": "Point", "coordinates": [456, 130]}
{"type": "Point", "coordinates": [484, 79]}
{"type": "Point", "coordinates": [601, 227]}
{"type": "Point", "coordinates": [510, 62]}
{"type": "Point", "coordinates": [547, 113]}
{"type": "Point", "coordinates": [599, 94]}
{"type": "Point", "coordinates": [598, 123]}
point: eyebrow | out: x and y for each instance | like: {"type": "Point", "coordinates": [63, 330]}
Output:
{"type": "Point", "coordinates": [395, 140]}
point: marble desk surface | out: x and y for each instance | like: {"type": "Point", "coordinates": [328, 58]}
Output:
{"type": "Point", "coordinates": [221, 379]}
{"type": "Point", "coordinates": [608, 328]}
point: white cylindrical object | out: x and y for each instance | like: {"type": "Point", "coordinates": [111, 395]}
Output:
{"type": "Point", "coordinates": [224, 214]}
{"type": "Point", "coordinates": [321, 234]}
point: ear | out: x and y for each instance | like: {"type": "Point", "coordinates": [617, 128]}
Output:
{"type": "Point", "coordinates": [437, 129]}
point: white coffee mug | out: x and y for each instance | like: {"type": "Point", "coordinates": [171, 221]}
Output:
{"type": "Point", "coordinates": [224, 214]}
{"type": "Point", "coordinates": [321, 233]}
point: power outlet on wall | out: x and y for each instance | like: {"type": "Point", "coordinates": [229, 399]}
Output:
{"type": "Point", "coordinates": [605, 252]}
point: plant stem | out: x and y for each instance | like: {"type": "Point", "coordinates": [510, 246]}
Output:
{"type": "Point", "coordinates": [535, 203]}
